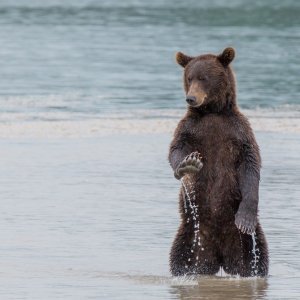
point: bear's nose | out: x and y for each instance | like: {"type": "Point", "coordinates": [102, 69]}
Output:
{"type": "Point", "coordinates": [191, 100]}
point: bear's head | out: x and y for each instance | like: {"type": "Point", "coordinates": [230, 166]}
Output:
{"type": "Point", "coordinates": [209, 81]}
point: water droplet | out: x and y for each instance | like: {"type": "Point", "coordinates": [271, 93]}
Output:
{"type": "Point", "coordinates": [194, 211]}
{"type": "Point", "coordinates": [255, 256]}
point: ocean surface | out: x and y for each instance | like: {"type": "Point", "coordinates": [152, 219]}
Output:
{"type": "Point", "coordinates": [90, 95]}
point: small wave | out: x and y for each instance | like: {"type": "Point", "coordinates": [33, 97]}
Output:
{"type": "Point", "coordinates": [220, 279]}
{"type": "Point", "coordinates": [151, 279]}
{"type": "Point", "coordinates": [61, 123]}
{"type": "Point", "coordinates": [141, 13]}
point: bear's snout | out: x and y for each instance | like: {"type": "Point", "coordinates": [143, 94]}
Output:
{"type": "Point", "coordinates": [191, 100]}
{"type": "Point", "coordinates": [196, 94]}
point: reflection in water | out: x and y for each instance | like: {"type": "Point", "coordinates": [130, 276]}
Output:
{"type": "Point", "coordinates": [223, 288]}
{"type": "Point", "coordinates": [204, 287]}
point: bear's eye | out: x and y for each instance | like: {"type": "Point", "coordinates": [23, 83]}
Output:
{"type": "Point", "coordinates": [201, 78]}
{"type": "Point", "coordinates": [189, 79]}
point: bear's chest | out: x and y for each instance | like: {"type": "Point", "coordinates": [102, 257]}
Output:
{"type": "Point", "coordinates": [217, 141]}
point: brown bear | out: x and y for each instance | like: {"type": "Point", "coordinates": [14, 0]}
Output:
{"type": "Point", "coordinates": [215, 154]}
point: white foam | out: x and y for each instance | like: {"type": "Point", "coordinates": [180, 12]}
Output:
{"type": "Point", "coordinates": [142, 122]}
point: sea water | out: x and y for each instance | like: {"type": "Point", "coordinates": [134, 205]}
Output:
{"type": "Point", "coordinates": [96, 217]}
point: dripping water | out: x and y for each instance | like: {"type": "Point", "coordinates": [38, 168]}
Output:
{"type": "Point", "coordinates": [191, 197]}
{"type": "Point", "coordinates": [242, 254]}
{"type": "Point", "coordinates": [254, 252]}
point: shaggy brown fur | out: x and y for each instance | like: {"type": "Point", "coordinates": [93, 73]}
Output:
{"type": "Point", "coordinates": [224, 172]}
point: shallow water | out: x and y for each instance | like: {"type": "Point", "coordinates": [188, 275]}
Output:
{"type": "Point", "coordinates": [95, 218]}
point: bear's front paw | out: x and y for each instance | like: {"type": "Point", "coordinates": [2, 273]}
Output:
{"type": "Point", "coordinates": [191, 164]}
{"type": "Point", "coordinates": [245, 222]}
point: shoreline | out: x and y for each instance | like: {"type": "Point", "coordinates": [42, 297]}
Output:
{"type": "Point", "coordinates": [108, 126]}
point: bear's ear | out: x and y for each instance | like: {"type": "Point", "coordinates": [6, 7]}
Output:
{"type": "Point", "coordinates": [227, 56]}
{"type": "Point", "coordinates": [183, 59]}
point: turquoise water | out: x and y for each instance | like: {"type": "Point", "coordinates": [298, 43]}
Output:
{"type": "Point", "coordinates": [89, 97]}
{"type": "Point", "coordinates": [85, 59]}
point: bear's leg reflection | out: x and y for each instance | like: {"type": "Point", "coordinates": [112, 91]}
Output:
{"type": "Point", "coordinates": [219, 288]}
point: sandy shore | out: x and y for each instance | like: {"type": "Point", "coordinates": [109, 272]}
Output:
{"type": "Point", "coordinates": [266, 122]}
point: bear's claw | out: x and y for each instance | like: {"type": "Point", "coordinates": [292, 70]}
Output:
{"type": "Point", "coordinates": [245, 223]}
{"type": "Point", "coordinates": [192, 163]}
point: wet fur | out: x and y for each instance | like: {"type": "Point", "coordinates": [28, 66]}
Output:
{"type": "Point", "coordinates": [226, 188]}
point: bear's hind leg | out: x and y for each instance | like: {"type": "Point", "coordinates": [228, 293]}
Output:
{"type": "Point", "coordinates": [186, 260]}
{"type": "Point", "coordinates": [206, 265]}
{"type": "Point", "coordinates": [250, 258]}
{"type": "Point", "coordinates": [255, 250]}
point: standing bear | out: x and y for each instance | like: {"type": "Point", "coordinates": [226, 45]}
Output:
{"type": "Point", "coordinates": [215, 154]}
